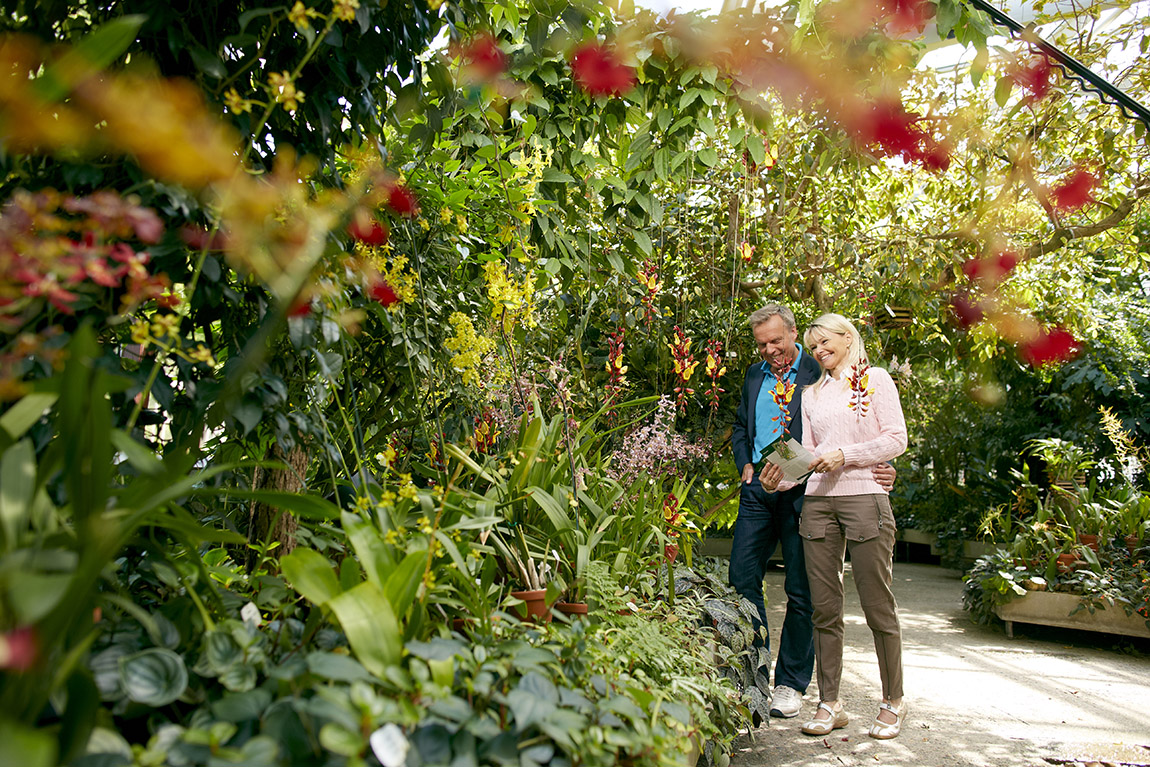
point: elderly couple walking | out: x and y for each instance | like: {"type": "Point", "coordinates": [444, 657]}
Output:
{"type": "Point", "coordinates": [849, 417]}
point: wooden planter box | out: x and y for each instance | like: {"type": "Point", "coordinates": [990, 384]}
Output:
{"type": "Point", "coordinates": [1048, 608]}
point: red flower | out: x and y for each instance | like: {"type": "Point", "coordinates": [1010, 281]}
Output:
{"type": "Point", "coordinates": [366, 229]}
{"type": "Point", "coordinates": [1056, 345]}
{"type": "Point", "coordinates": [991, 269]}
{"type": "Point", "coordinates": [402, 201]}
{"type": "Point", "coordinates": [196, 238]}
{"type": "Point", "coordinates": [18, 649]}
{"type": "Point", "coordinates": [483, 58]}
{"type": "Point", "coordinates": [1074, 192]}
{"type": "Point", "coordinates": [382, 292]}
{"type": "Point", "coordinates": [906, 15]}
{"type": "Point", "coordinates": [1033, 76]}
{"type": "Point", "coordinates": [300, 308]}
{"type": "Point", "coordinates": [966, 312]}
{"type": "Point", "coordinates": [598, 71]}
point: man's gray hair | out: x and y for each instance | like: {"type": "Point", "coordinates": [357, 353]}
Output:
{"type": "Point", "coordinates": [759, 316]}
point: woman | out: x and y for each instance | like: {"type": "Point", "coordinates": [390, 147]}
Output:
{"type": "Point", "coordinates": [852, 420]}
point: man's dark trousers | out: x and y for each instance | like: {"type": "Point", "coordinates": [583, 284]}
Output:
{"type": "Point", "coordinates": [766, 520]}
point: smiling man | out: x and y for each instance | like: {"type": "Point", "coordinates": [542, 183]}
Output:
{"type": "Point", "coordinates": [771, 404]}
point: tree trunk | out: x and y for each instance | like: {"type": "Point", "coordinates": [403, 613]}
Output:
{"type": "Point", "coordinates": [269, 524]}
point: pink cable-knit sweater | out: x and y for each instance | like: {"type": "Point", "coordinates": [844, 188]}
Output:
{"type": "Point", "coordinates": [830, 424]}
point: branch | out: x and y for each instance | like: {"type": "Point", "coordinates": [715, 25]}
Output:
{"type": "Point", "coordinates": [1064, 235]}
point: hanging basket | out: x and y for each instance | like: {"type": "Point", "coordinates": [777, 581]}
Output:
{"type": "Point", "coordinates": [892, 317]}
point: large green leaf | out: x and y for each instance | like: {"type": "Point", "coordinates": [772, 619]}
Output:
{"type": "Point", "coordinates": [369, 547]}
{"type": "Point", "coordinates": [369, 622]}
{"type": "Point", "coordinates": [20, 417]}
{"type": "Point", "coordinates": [94, 52]}
{"type": "Point", "coordinates": [310, 573]}
{"type": "Point", "coordinates": [17, 487]}
{"type": "Point", "coordinates": [403, 583]}
{"type": "Point", "coordinates": [25, 746]}
{"type": "Point", "coordinates": [154, 677]}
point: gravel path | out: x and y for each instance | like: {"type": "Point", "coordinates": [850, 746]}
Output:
{"type": "Point", "coordinates": [1048, 696]}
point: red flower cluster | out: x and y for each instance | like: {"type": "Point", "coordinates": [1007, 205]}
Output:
{"type": "Point", "coordinates": [966, 311]}
{"type": "Point", "coordinates": [485, 432]}
{"type": "Point", "coordinates": [483, 60]}
{"type": "Point", "coordinates": [905, 15]}
{"type": "Point", "coordinates": [18, 649]}
{"type": "Point", "coordinates": [598, 70]}
{"type": "Point", "coordinates": [1074, 191]}
{"type": "Point", "coordinates": [898, 133]}
{"type": "Point", "coordinates": [1049, 346]}
{"type": "Point", "coordinates": [714, 370]}
{"type": "Point", "coordinates": [673, 517]}
{"type": "Point", "coordinates": [1033, 76]}
{"type": "Point", "coordinates": [616, 370]}
{"type": "Point", "coordinates": [382, 292]}
{"type": "Point", "coordinates": [56, 247]}
{"type": "Point", "coordinates": [991, 269]}
{"type": "Point", "coordinates": [366, 229]}
{"type": "Point", "coordinates": [649, 278]}
{"type": "Point", "coordinates": [685, 365]}
{"type": "Point", "coordinates": [403, 201]}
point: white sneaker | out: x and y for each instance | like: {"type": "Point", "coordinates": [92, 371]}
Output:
{"type": "Point", "coordinates": [786, 702]}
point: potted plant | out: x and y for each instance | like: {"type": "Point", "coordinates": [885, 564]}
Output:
{"type": "Point", "coordinates": [1066, 463]}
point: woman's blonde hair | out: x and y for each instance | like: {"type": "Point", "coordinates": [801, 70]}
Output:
{"type": "Point", "coordinates": [838, 325]}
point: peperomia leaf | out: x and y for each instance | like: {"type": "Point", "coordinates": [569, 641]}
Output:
{"type": "Point", "coordinates": [155, 677]}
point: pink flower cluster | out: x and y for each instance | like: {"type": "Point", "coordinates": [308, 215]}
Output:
{"type": "Point", "coordinates": [655, 450]}
{"type": "Point", "coordinates": [53, 246]}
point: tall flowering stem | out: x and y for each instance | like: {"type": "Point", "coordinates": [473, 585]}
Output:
{"type": "Point", "coordinates": [685, 365]}
{"type": "Point", "coordinates": [782, 394]}
{"type": "Point", "coordinates": [860, 388]}
{"type": "Point", "coordinates": [714, 370]}
{"type": "Point", "coordinates": [652, 285]}
{"type": "Point", "coordinates": [616, 370]}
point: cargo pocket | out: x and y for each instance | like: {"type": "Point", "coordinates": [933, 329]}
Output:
{"type": "Point", "coordinates": [813, 522]}
{"type": "Point", "coordinates": [864, 521]}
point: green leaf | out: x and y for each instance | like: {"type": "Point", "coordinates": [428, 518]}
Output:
{"type": "Point", "coordinates": [300, 504]}
{"type": "Point", "coordinates": [556, 176]}
{"type": "Point", "coordinates": [207, 62]}
{"type": "Point", "coordinates": [242, 706]}
{"type": "Point", "coordinates": [34, 595]}
{"type": "Point", "coordinates": [403, 583]}
{"type": "Point", "coordinates": [221, 650]}
{"type": "Point", "coordinates": [708, 157]}
{"type": "Point", "coordinates": [96, 51]}
{"type": "Point", "coordinates": [643, 241]}
{"type": "Point", "coordinates": [26, 746]}
{"type": "Point", "coordinates": [340, 740]}
{"type": "Point", "coordinates": [1002, 90]}
{"type": "Point", "coordinates": [707, 125]}
{"type": "Point", "coordinates": [154, 677]}
{"type": "Point", "coordinates": [139, 456]}
{"type": "Point", "coordinates": [17, 489]}
{"type": "Point", "coordinates": [20, 417]}
{"type": "Point", "coordinates": [373, 554]}
{"type": "Point", "coordinates": [339, 668]}
{"type": "Point", "coordinates": [978, 66]}
{"type": "Point", "coordinates": [310, 573]}
{"type": "Point", "coordinates": [371, 627]}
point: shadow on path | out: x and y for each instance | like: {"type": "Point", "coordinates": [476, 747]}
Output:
{"type": "Point", "coordinates": [976, 697]}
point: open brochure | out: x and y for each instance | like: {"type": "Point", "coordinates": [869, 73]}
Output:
{"type": "Point", "coordinates": [790, 456]}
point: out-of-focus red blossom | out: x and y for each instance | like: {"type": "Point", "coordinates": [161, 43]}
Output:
{"type": "Point", "coordinates": [168, 300]}
{"type": "Point", "coordinates": [199, 238]}
{"type": "Point", "coordinates": [301, 308]}
{"type": "Point", "coordinates": [110, 212]}
{"type": "Point", "coordinates": [383, 293]}
{"type": "Point", "coordinates": [965, 311]}
{"type": "Point", "coordinates": [1033, 76]}
{"type": "Point", "coordinates": [366, 229]}
{"type": "Point", "coordinates": [897, 133]}
{"type": "Point", "coordinates": [1049, 346]}
{"type": "Point", "coordinates": [1074, 191]}
{"type": "Point", "coordinates": [905, 15]}
{"type": "Point", "coordinates": [18, 649]}
{"type": "Point", "coordinates": [991, 269]}
{"type": "Point", "coordinates": [598, 70]}
{"type": "Point", "coordinates": [402, 200]}
{"type": "Point", "coordinates": [483, 59]}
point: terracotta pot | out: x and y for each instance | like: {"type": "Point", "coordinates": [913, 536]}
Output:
{"type": "Point", "coordinates": [1089, 541]}
{"type": "Point", "coordinates": [571, 608]}
{"type": "Point", "coordinates": [1131, 543]}
{"type": "Point", "coordinates": [535, 610]}
{"type": "Point", "coordinates": [1066, 562]}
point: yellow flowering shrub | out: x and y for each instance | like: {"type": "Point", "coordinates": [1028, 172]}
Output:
{"type": "Point", "coordinates": [511, 301]}
{"type": "Point", "coordinates": [469, 347]}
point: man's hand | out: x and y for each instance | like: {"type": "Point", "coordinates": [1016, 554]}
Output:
{"type": "Point", "coordinates": [884, 474]}
{"type": "Point", "coordinates": [771, 476]}
{"type": "Point", "coordinates": [828, 462]}
{"type": "Point", "coordinates": [748, 473]}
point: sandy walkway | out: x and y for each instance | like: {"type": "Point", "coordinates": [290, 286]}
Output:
{"type": "Point", "coordinates": [1048, 696]}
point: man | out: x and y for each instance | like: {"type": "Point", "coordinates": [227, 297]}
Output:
{"type": "Point", "coordinates": [771, 403]}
